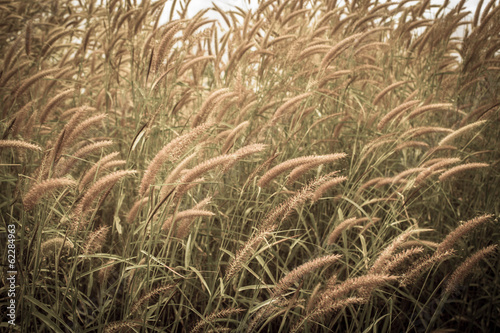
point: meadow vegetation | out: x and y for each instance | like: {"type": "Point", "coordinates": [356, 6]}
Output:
{"type": "Point", "coordinates": [317, 166]}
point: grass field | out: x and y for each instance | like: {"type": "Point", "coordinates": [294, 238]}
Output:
{"type": "Point", "coordinates": [304, 167]}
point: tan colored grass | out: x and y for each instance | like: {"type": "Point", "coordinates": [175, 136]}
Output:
{"type": "Point", "coordinates": [119, 326]}
{"type": "Point", "coordinates": [336, 298]}
{"type": "Point", "coordinates": [439, 163]}
{"type": "Point", "coordinates": [168, 183]}
{"type": "Point", "coordinates": [465, 228]}
{"type": "Point", "coordinates": [151, 295]}
{"type": "Point", "coordinates": [170, 152]}
{"type": "Point", "coordinates": [245, 252]}
{"type": "Point", "coordinates": [18, 144]}
{"type": "Point", "coordinates": [320, 191]}
{"type": "Point", "coordinates": [44, 188]}
{"type": "Point", "coordinates": [311, 50]}
{"type": "Point", "coordinates": [461, 168]}
{"type": "Point", "coordinates": [6, 76]}
{"type": "Point", "coordinates": [411, 144]}
{"type": "Point", "coordinates": [398, 258]}
{"type": "Point", "coordinates": [346, 224]}
{"type": "Point", "coordinates": [452, 136]}
{"type": "Point", "coordinates": [106, 271]}
{"type": "Point", "coordinates": [32, 80]}
{"type": "Point", "coordinates": [293, 163]}
{"type": "Point", "coordinates": [396, 112]}
{"type": "Point", "coordinates": [194, 62]}
{"type": "Point", "coordinates": [387, 254]}
{"type": "Point", "coordinates": [101, 185]}
{"type": "Point", "coordinates": [9, 55]}
{"type": "Point", "coordinates": [288, 105]}
{"type": "Point", "coordinates": [232, 135]}
{"type": "Point", "coordinates": [82, 127]}
{"type": "Point", "coordinates": [418, 131]}
{"type": "Point", "coordinates": [466, 268]}
{"type": "Point", "coordinates": [189, 214]}
{"type": "Point", "coordinates": [165, 44]}
{"type": "Point", "coordinates": [210, 104]}
{"type": "Point", "coordinates": [52, 103]}
{"type": "Point", "coordinates": [200, 169]}
{"type": "Point", "coordinates": [99, 166]}
{"type": "Point", "coordinates": [298, 171]}
{"type": "Point", "coordinates": [386, 90]}
{"type": "Point", "coordinates": [292, 102]}
{"type": "Point", "coordinates": [95, 240]}
{"type": "Point", "coordinates": [431, 107]}
{"type": "Point", "coordinates": [404, 174]}
{"type": "Point", "coordinates": [65, 166]}
{"type": "Point", "coordinates": [337, 49]}
{"type": "Point", "coordinates": [198, 327]}
{"type": "Point", "coordinates": [244, 152]}
{"type": "Point", "coordinates": [54, 245]}
{"type": "Point", "coordinates": [299, 272]}
{"type": "Point", "coordinates": [135, 209]}
{"type": "Point", "coordinates": [422, 265]}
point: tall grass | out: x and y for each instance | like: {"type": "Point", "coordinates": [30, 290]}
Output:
{"type": "Point", "coordinates": [308, 166]}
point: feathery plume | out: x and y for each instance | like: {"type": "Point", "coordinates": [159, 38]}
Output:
{"type": "Point", "coordinates": [337, 49]}
{"type": "Point", "coordinates": [19, 145]}
{"type": "Point", "coordinates": [293, 163]}
{"type": "Point", "coordinates": [318, 193]}
{"type": "Point", "coordinates": [466, 268]}
{"type": "Point", "coordinates": [54, 245]}
{"type": "Point", "coordinates": [418, 131]}
{"type": "Point", "coordinates": [417, 268]}
{"type": "Point", "coordinates": [212, 317]}
{"type": "Point", "coordinates": [92, 172]}
{"type": "Point", "coordinates": [399, 258]}
{"type": "Point", "coordinates": [408, 144]}
{"type": "Point", "coordinates": [430, 107]}
{"type": "Point", "coordinates": [450, 137]}
{"type": "Point", "coordinates": [168, 184]}
{"type": "Point", "coordinates": [395, 112]}
{"type": "Point", "coordinates": [299, 272]}
{"type": "Point", "coordinates": [118, 326]}
{"type": "Point", "coordinates": [230, 138]}
{"type": "Point", "coordinates": [95, 240]}
{"type": "Point", "coordinates": [101, 185]}
{"type": "Point", "coordinates": [386, 90]}
{"type": "Point", "coordinates": [200, 169]}
{"type": "Point", "coordinates": [330, 307]}
{"type": "Point", "coordinates": [466, 227]}
{"type": "Point", "coordinates": [335, 234]}
{"type": "Point", "coordinates": [172, 151]}
{"type": "Point", "coordinates": [379, 264]}
{"type": "Point", "coordinates": [83, 126]}
{"type": "Point", "coordinates": [105, 272]}
{"type": "Point", "coordinates": [298, 171]}
{"type": "Point", "coordinates": [32, 80]}
{"type": "Point", "coordinates": [283, 211]}
{"type": "Point", "coordinates": [186, 214]}
{"type": "Point", "coordinates": [287, 105]}
{"type": "Point", "coordinates": [246, 251]}
{"type": "Point", "coordinates": [154, 293]}
{"type": "Point", "coordinates": [165, 45]}
{"type": "Point", "coordinates": [37, 191]}
{"type": "Point", "coordinates": [53, 102]}
{"type": "Point", "coordinates": [135, 209]}
{"type": "Point", "coordinates": [65, 166]}
{"type": "Point", "coordinates": [460, 168]}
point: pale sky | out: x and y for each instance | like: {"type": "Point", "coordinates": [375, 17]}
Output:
{"type": "Point", "coordinates": [197, 5]}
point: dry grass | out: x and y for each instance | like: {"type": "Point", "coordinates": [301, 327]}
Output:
{"type": "Point", "coordinates": [300, 166]}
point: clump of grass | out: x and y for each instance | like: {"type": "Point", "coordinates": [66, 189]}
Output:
{"type": "Point", "coordinates": [302, 165]}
